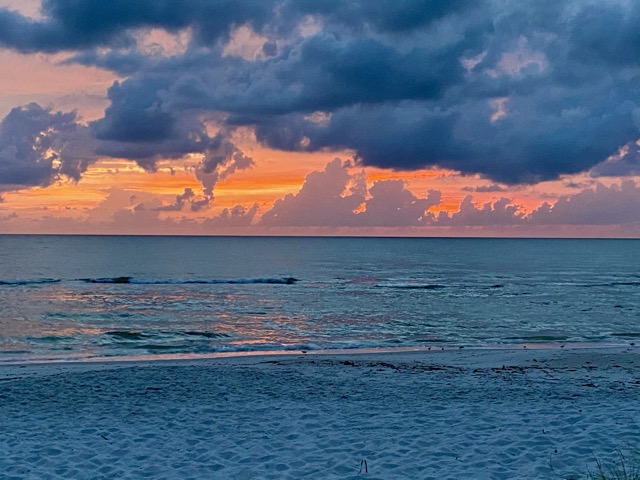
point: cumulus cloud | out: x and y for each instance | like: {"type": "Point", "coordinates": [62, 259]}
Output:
{"type": "Point", "coordinates": [146, 216]}
{"type": "Point", "coordinates": [391, 205]}
{"type": "Point", "coordinates": [500, 212]}
{"type": "Point", "coordinates": [601, 205]}
{"type": "Point", "coordinates": [327, 198]}
{"type": "Point", "coordinates": [514, 91]}
{"type": "Point", "coordinates": [337, 198]}
{"type": "Point", "coordinates": [237, 216]}
{"type": "Point", "coordinates": [138, 212]}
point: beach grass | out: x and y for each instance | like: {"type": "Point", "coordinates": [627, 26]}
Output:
{"type": "Point", "coordinates": [619, 468]}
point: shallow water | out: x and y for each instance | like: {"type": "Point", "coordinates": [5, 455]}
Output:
{"type": "Point", "coordinates": [81, 297]}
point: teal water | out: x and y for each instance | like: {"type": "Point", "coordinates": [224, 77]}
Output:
{"type": "Point", "coordinates": [81, 297]}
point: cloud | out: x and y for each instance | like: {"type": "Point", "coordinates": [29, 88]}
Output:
{"type": "Point", "coordinates": [138, 212]}
{"type": "Point", "coordinates": [601, 205]}
{"type": "Point", "coordinates": [237, 216]}
{"type": "Point", "coordinates": [145, 215]}
{"type": "Point", "coordinates": [83, 24]}
{"type": "Point", "coordinates": [391, 204]}
{"type": "Point", "coordinates": [181, 200]}
{"type": "Point", "coordinates": [327, 198]}
{"type": "Point", "coordinates": [38, 147]}
{"type": "Point", "coordinates": [336, 198]}
{"type": "Point", "coordinates": [494, 187]}
{"type": "Point", "coordinates": [624, 163]}
{"type": "Point", "coordinates": [500, 212]}
{"type": "Point", "coordinates": [514, 91]}
{"type": "Point", "coordinates": [222, 158]}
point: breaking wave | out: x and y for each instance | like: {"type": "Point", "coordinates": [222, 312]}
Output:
{"type": "Point", "coordinates": [412, 286]}
{"type": "Point", "coordinates": [140, 281]}
{"type": "Point", "coordinates": [35, 281]}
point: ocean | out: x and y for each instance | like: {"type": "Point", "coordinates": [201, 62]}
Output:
{"type": "Point", "coordinates": [115, 297]}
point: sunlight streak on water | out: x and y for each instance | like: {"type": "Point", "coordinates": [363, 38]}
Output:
{"type": "Point", "coordinates": [175, 295]}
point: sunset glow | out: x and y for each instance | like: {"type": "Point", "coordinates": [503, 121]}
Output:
{"type": "Point", "coordinates": [224, 136]}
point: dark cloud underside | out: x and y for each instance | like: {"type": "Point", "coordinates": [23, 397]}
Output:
{"type": "Point", "coordinates": [517, 91]}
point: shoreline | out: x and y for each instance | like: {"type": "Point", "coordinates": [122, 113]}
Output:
{"type": "Point", "coordinates": [460, 413]}
{"type": "Point", "coordinates": [468, 358]}
{"type": "Point", "coordinates": [165, 357]}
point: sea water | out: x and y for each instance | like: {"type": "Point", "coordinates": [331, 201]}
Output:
{"type": "Point", "coordinates": [88, 297]}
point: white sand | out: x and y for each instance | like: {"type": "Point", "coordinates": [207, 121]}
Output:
{"type": "Point", "coordinates": [452, 414]}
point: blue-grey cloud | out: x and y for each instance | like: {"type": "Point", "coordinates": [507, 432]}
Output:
{"type": "Point", "coordinates": [38, 146]}
{"type": "Point", "coordinates": [237, 216]}
{"type": "Point", "coordinates": [515, 91]}
{"type": "Point", "coordinates": [625, 163]}
{"type": "Point", "coordinates": [181, 200]}
{"type": "Point", "coordinates": [83, 24]}
{"type": "Point", "coordinates": [601, 205]}
{"type": "Point", "coordinates": [493, 188]}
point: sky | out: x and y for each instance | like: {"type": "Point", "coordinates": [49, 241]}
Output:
{"type": "Point", "coordinates": [320, 117]}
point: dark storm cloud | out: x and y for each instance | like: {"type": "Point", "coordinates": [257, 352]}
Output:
{"type": "Point", "coordinates": [37, 146]}
{"type": "Point", "coordinates": [83, 24]}
{"type": "Point", "coordinates": [138, 126]}
{"type": "Point", "coordinates": [517, 91]}
{"type": "Point", "coordinates": [80, 24]}
{"type": "Point", "coordinates": [395, 16]}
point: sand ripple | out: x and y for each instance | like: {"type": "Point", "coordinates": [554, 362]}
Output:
{"type": "Point", "coordinates": [450, 415]}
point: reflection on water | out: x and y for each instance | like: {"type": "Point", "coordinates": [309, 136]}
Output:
{"type": "Point", "coordinates": [364, 293]}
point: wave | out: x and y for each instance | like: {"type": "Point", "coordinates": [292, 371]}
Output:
{"type": "Point", "coordinates": [127, 335]}
{"type": "Point", "coordinates": [412, 286]}
{"type": "Point", "coordinates": [622, 283]}
{"type": "Point", "coordinates": [242, 281]}
{"type": "Point", "coordinates": [107, 280]}
{"type": "Point", "coordinates": [192, 333]}
{"type": "Point", "coordinates": [539, 338]}
{"type": "Point", "coordinates": [138, 335]}
{"type": "Point", "coordinates": [34, 281]}
{"type": "Point", "coordinates": [416, 285]}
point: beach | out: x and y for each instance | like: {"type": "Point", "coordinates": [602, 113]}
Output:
{"type": "Point", "coordinates": [464, 413]}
